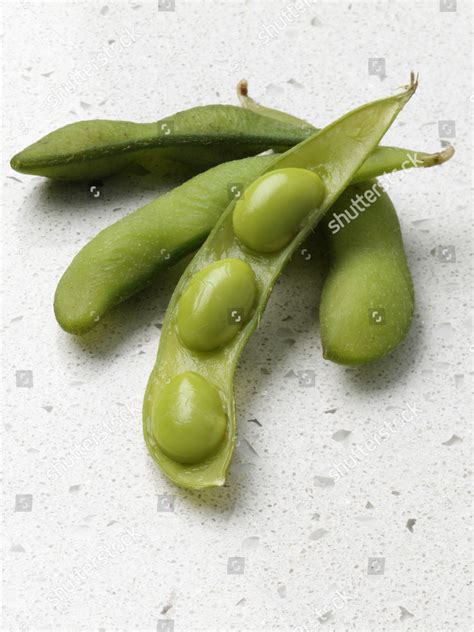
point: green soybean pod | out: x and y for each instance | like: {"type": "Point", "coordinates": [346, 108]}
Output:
{"type": "Point", "coordinates": [198, 138]}
{"type": "Point", "coordinates": [124, 257]}
{"type": "Point", "coordinates": [367, 301]}
{"type": "Point", "coordinates": [334, 154]}
{"type": "Point", "coordinates": [192, 140]}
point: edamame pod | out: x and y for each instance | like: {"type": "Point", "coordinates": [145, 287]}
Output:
{"type": "Point", "coordinates": [368, 300]}
{"type": "Point", "coordinates": [200, 137]}
{"type": "Point", "coordinates": [125, 257]}
{"type": "Point", "coordinates": [196, 139]}
{"type": "Point", "coordinates": [334, 154]}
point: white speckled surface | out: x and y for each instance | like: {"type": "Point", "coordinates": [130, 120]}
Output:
{"type": "Point", "coordinates": [308, 536]}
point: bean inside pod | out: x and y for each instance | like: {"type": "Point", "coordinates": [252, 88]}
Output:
{"type": "Point", "coordinates": [274, 206]}
{"type": "Point", "coordinates": [188, 418]}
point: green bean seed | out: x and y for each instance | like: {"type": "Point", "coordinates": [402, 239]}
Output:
{"type": "Point", "coordinates": [215, 304]}
{"type": "Point", "coordinates": [269, 215]}
{"type": "Point", "coordinates": [334, 154]}
{"type": "Point", "coordinates": [189, 421]}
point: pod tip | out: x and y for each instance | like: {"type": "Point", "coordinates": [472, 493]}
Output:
{"type": "Point", "coordinates": [444, 155]}
{"type": "Point", "coordinates": [437, 159]}
{"type": "Point", "coordinates": [413, 80]}
{"type": "Point", "coordinates": [243, 88]}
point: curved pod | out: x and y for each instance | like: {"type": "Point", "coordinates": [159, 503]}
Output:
{"type": "Point", "coordinates": [124, 257]}
{"type": "Point", "coordinates": [200, 137]}
{"type": "Point", "coordinates": [334, 154]}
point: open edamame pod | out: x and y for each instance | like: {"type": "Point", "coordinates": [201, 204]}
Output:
{"type": "Point", "coordinates": [190, 390]}
{"type": "Point", "coordinates": [200, 137]}
{"type": "Point", "coordinates": [368, 299]}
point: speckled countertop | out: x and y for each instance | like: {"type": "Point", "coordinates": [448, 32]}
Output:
{"type": "Point", "coordinates": [313, 531]}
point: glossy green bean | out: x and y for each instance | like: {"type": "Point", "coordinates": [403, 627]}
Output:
{"type": "Point", "coordinates": [334, 155]}
{"type": "Point", "coordinates": [203, 320]}
{"type": "Point", "coordinates": [272, 210]}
